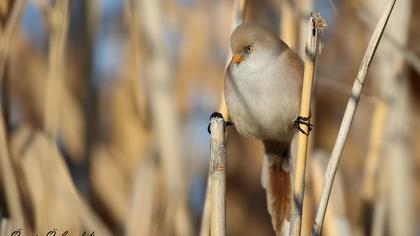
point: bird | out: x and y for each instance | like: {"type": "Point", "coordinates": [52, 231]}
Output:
{"type": "Point", "coordinates": [262, 89]}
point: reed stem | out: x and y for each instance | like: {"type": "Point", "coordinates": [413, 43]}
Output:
{"type": "Point", "coordinates": [348, 118]}
{"type": "Point", "coordinates": [315, 23]}
{"type": "Point", "coordinates": [218, 169]}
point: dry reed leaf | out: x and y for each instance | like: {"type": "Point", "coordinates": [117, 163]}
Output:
{"type": "Point", "coordinates": [12, 12]}
{"type": "Point", "coordinates": [109, 183]}
{"type": "Point", "coordinates": [131, 70]}
{"type": "Point", "coordinates": [10, 185]}
{"type": "Point", "coordinates": [55, 201]}
{"type": "Point", "coordinates": [28, 78]}
{"type": "Point", "coordinates": [126, 133]}
{"type": "Point", "coordinates": [140, 218]}
{"type": "Point", "coordinates": [46, 188]}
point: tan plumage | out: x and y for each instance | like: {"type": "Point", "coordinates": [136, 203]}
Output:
{"type": "Point", "coordinates": [262, 90]}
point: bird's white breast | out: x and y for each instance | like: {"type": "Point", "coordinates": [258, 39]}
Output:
{"type": "Point", "coordinates": [263, 97]}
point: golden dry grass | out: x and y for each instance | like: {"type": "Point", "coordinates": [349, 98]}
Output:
{"type": "Point", "coordinates": [130, 153]}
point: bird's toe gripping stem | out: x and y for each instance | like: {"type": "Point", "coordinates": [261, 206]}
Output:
{"type": "Point", "coordinates": [300, 120]}
{"type": "Point", "coordinates": [218, 115]}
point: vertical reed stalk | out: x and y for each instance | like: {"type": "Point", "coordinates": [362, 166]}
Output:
{"type": "Point", "coordinates": [218, 169]}
{"type": "Point", "coordinates": [139, 95]}
{"type": "Point", "coordinates": [8, 178]}
{"type": "Point", "coordinates": [205, 219]}
{"type": "Point", "coordinates": [58, 22]}
{"type": "Point", "coordinates": [315, 23]}
{"type": "Point", "coordinates": [381, 199]}
{"type": "Point", "coordinates": [165, 120]}
{"type": "Point", "coordinates": [140, 216]}
{"type": "Point", "coordinates": [289, 23]}
{"type": "Point", "coordinates": [348, 117]}
{"type": "Point", "coordinates": [305, 8]}
{"type": "Point", "coordinates": [238, 15]}
{"type": "Point", "coordinates": [400, 48]}
{"type": "Point", "coordinates": [372, 158]}
{"type": "Point", "coordinates": [372, 195]}
{"type": "Point", "coordinates": [393, 82]}
{"type": "Point", "coordinates": [86, 9]}
{"type": "Point", "coordinates": [6, 33]}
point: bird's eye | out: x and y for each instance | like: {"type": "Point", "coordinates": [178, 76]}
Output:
{"type": "Point", "coordinates": [249, 49]}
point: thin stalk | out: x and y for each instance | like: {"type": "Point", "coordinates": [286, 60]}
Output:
{"type": "Point", "coordinates": [135, 60]}
{"type": "Point", "coordinates": [12, 13]}
{"type": "Point", "coordinates": [409, 55]}
{"type": "Point", "coordinates": [89, 105]}
{"type": "Point", "coordinates": [315, 23]}
{"type": "Point", "coordinates": [58, 22]}
{"type": "Point", "coordinates": [348, 117]}
{"type": "Point", "coordinates": [165, 119]}
{"type": "Point", "coordinates": [393, 83]}
{"type": "Point", "coordinates": [373, 155]}
{"type": "Point", "coordinates": [238, 16]}
{"type": "Point", "coordinates": [371, 196]}
{"type": "Point", "coordinates": [381, 198]}
{"type": "Point", "coordinates": [305, 8]}
{"type": "Point", "coordinates": [218, 177]}
{"type": "Point", "coordinates": [8, 177]}
{"type": "Point", "coordinates": [8, 30]}
{"type": "Point", "coordinates": [205, 220]}
{"type": "Point", "coordinates": [289, 23]}
{"type": "Point", "coordinates": [10, 183]}
{"type": "Point", "coordinates": [140, 214]}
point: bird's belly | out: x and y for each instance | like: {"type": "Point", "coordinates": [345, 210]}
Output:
{"type": "Point", "coordinates": [264, 110]}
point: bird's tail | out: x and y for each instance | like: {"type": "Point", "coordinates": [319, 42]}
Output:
{"type": "Point", "coordinates": [275, 179]}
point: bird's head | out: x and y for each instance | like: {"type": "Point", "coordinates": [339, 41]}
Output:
{"type": "Point", "coordinates": [254, 41]}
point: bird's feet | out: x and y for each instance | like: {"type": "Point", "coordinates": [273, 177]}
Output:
{"type": "Point", "coordinates": [218, 115]}
{"type": "Point", "coordinates": [300, 120]}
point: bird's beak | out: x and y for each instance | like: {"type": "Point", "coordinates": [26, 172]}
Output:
{"type": "Point", "coordinates": [237, 58]}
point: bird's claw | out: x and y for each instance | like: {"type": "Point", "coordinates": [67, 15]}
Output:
{"type": "Point", "coordinates": [218, 115]}
{"type": "Point", "coordinates": [300, 120]}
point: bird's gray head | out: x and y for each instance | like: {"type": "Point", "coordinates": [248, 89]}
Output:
{"type": "Point", "coordinates": [252, 39]}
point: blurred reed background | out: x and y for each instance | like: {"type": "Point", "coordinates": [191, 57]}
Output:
{"type": "Point", "coordinates": [105, 107]}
